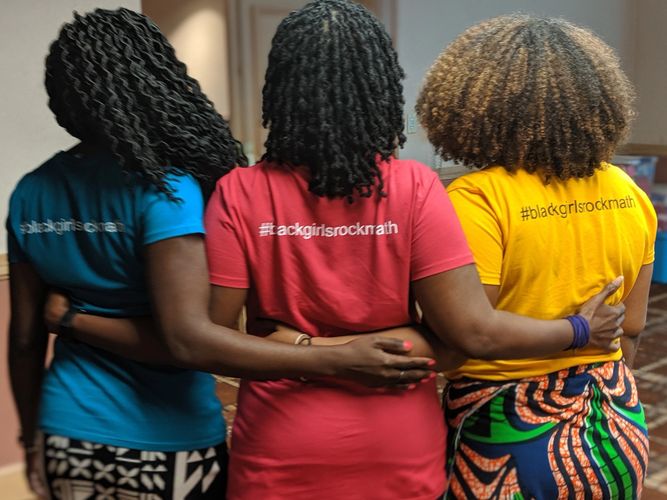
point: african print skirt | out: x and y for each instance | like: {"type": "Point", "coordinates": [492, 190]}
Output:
{"type": "Point", "coordinates": [576, 433]}
{"type": "Point", "coordinates": [81, 470]}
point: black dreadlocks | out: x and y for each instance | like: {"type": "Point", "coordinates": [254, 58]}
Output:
{"type": "Point", "coordinates": [114, 81]}
{"type": "Point", "coordinates": [333, 98]}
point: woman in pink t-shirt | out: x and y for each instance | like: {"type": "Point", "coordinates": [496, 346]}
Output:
{"type": "Point", "coordinates": [338, 235]}
{"type": "Point", "coordinates": [330, 234]}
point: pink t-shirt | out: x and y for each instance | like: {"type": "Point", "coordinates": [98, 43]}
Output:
{"type": "Point", "coordinates": [329, 267]}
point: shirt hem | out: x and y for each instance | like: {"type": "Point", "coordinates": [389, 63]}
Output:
{"type": "Point", "coordinates": [522, 373]}
{"type": "Point", "coordinates": [443, 266]}
{"type": "Point", "coordinates": [135, 445]}
{"type": "Point", "coordinates": [228, 282]}
{"type": "Point", "coordinates": [173, 232]}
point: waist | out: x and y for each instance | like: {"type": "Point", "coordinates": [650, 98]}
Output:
{"type": "Point", "coordinates": [93, 395]}
{"type": "Point", "coordinates": [325, 440]}
{"type": "Point", "coordinates": [324, 416]}
{"type": "Point", "coordinates": [530, 367]}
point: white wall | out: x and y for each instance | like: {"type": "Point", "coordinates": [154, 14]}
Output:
{"type": "Point", "coordinates": [651, 72]}
{"type": "Point", "coordinates": [425, 27]}
{"type": "Point", "coordinates": [29, 132]}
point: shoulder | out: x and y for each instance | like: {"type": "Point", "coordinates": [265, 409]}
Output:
{"type": "Point", "coordinates": [241, 176]}
{"type": "Point", "coordinates": [409, 168]}
{"type": "Point", "coordinates": [481, 180]}
{"type": "Point", "coordinates": [42, 173]}
{"type": "Point", "coordinates": [182, 183]}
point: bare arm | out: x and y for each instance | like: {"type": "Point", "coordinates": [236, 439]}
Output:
{"type": "Point", "coordinates": [134, 338]}
{"type": "Point", "coordinates": [459, 312]}
{"type": "Point", "coordinates": [28, 340]}
{"type": "Point", "coordinates": [421, 341]}
{"type": "Point", "coordinates": [178, 280]}
{"type": "Point", "coordinates": [636, 304]}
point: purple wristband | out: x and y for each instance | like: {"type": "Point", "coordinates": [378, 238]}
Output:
{"type": "Point", "coordinates": [582, 331]}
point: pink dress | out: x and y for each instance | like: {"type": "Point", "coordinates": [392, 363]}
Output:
{"type": "Point", "coordinates": [328, 267]}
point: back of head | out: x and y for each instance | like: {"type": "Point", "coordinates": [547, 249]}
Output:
{"type": "Point", "coordinates": [333, 97]}
{"type": "Point", "coordinates": [525, 92]}
{"type": "Point", "coordinates": [114, 81]}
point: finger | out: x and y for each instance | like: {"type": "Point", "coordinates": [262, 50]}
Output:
{"type": "Point", "coordinates": [391, 345]}
{"type": "Point", "coordinates": [405, 363]}
{"type": "Point", "coordinates": [618, 333]}
{"type": "Point", "coordinates": [609, 289]}
{"type": "Point", "coordinates": [620, 320]}
{"type": "Point", "coordinates": [408, 377]}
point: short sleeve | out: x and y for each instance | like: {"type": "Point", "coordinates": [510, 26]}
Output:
{"type": "Point", "coordinates": [165, 218]}
{"type": "Point", "coordinates": [651, 228]}
{"type": "Point", "coordinates": [438, 242]}
{"type": "Point", "coordinates": [227, 261]}
{"type": "Point", "coordinates": [482, 230]}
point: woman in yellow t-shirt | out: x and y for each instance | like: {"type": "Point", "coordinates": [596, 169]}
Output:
{"type": "Point", "coordinates": [539, 106]}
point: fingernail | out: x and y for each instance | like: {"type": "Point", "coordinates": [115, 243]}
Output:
{"type": "Point", "coordinates": [412, 386]}
{"type": "Point", "coordinates": [431, 363]}
{"type": "Point", "coordinates": [407, 345]}
{"type": "Point", "coordinates": [426, 380]}
{"type": "Point", "coordinates": [432, 375]}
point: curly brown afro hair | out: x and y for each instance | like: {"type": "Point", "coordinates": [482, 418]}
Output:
{"type": "Point", "coordinates": [524, 92]}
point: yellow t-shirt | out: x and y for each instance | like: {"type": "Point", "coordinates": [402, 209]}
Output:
{"type": "Point", "coordinates": [550, 247]}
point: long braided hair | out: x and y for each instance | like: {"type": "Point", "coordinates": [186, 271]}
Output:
{"type": "Point", "coordinates": [333, 97]}
{"type": "Point", "coordinates": [114, 81]}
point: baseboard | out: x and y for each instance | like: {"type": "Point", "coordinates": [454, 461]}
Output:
{"type": "Point", "coordinates": [4, 267]}
{"type": "Point", "coordinates": [12, 483]}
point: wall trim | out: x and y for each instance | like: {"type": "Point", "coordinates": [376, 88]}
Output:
{"type": "Point", "coordinates": [4, 267]}
{"type": "Point", "coordinates": [12, 482]}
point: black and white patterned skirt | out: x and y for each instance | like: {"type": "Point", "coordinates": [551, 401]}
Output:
{"type": "Point", "coordinates": [78, 470]}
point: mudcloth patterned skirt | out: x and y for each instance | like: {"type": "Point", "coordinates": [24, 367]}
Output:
{"type": "Point", "coordinates": [576, 433]}
{"type": "Point", "coordinates": [81, 470]}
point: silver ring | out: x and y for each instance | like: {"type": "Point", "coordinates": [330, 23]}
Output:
{"type": "Point", "coordinates": [400, 375]}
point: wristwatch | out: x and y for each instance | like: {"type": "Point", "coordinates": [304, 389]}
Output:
{"type": "Point", "coordinates": [65, 330]}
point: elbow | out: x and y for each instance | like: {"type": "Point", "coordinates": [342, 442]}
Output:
{"type": "Point", "coordinates": [180, 349]}
{"type": "Point", "coordinates": [480, 350]}
{"type": "Point", "coordinates": [632, 328]}
{"type": "Point", "coordinates": [477, 345]}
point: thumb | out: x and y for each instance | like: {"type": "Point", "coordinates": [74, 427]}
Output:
{"type": "Point", "coordinates": [609, 289]}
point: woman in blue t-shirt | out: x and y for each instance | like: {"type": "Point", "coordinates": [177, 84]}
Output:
{"type": "Point", "coordinates": [116, 224]}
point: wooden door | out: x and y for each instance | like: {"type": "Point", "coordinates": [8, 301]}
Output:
{"type": "Point", "coordinates": [251, 26]}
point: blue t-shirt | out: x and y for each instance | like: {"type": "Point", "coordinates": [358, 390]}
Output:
{"type": "Point", "coordinates": [84, 227]}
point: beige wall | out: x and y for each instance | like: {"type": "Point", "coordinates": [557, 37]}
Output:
{"type": "Point", "coordinates": [425, 27]}
{"type": "Point", "coordinates": [29, 134]}
{"type": "Point", "coordinates": [650, 72]}
{"type": "Point", "coordinates": [198, 31]}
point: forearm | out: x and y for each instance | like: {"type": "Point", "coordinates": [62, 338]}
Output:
{"type": "Point", "coordinates": [199, 345]}
{"type": "Point", "coordinates": [26, 371]}
{"type": "Point", "coordinates": [502, 335]}
{"type": "Point", "coordinates": [629, 346]}
{"type": "Point", "coordinates": [424, 343]}
{"type": "Point", "coordinates": [220, 350]}
{"type": "Point", "coordinates": [133, 338]}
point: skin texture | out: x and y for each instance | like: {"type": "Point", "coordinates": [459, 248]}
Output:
{"type": "Point", "coordinates": [453, 302]}
{"type": "Point", "coordinates": [636, 305]}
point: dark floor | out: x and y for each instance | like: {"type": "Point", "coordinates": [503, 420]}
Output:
{"type": "Point", "coordinates": [651, 375]}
